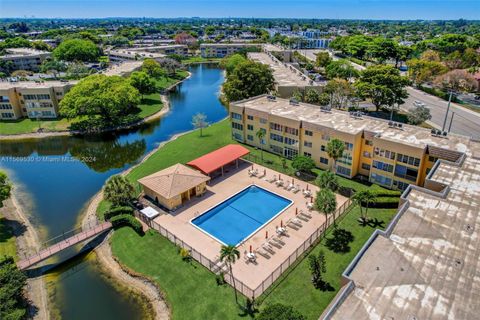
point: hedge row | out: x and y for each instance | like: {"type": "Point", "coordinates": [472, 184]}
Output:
{"type": "Point", "coordinates": [438, 93]}
{"type": "Point", "coordinates": [117, 211]}
{"type": "Point", "coordinates": [127, 220]}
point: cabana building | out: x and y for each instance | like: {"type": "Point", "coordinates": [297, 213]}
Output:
{"type": "Point", "coordinates": [214, 163]}
{"type": "Point", "coordinates": [173, 186]}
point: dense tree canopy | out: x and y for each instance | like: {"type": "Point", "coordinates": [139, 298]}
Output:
{"type": "Point", "coordinates": [12, 282]}
{"type": "Point", "coordinates": [77, 50]}
{"type": "Point", "coordinates": [342, 69]}
{"type": "Point", "coordinates": [231, 62]}
{"type": "Point", "coordinates": [142, 82]}
{"type": "Point", "coordinates": [100, 96]}
{"type": "Point", "coordinates": [248, 79]}
{"type": "Point", "coordinates": [5, 188]}
{"type": "Point", "coordinates": [152, 68]}
{"type": "Point", "coordinates": [383, 85]}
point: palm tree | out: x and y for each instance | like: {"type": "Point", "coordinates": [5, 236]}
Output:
{"type": "Point", "coordinates": [118, 190]}
{"type": "Point", "coordinates": [230, 254]}
{"type": "Point", "coordinates": [260, 135]}
{"type": "Point", "coordinates": [364, 197]}
{"type": "Point", "coordinates": [326, 202]}
{"type": "Point", "coordinates": [335, 148]}
{"type": "Point", "coordinates": [327, 180]}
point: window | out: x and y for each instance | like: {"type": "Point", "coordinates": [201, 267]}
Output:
{"type": "Point", "coordinates": [307, 144]}
{"type": "Point", "coordinates": [400, 185]}
{"type": "Point", "coordinates": [290, 141]}
{"type": "Point", "coordinates": [408, 160]}
{"type": "Point", "coordinates": [367, 154]}
{"type": "Point", "coordinates": [237, 126]}
{"type": "Point", "coordinates": [343, 171]}
{"type": "Point", "coordinates": [29, 97]}
{"type": "Point", "coordinates": [238, 136]}
{"type": "Point", "coordinates": [7, 115]}
{"type": "Point", "coordinates": [377, 178]}
{"type": "Point", "coordinates": [346, 158]}
{"type": "Point", "coordinates": [236, 116]}
{"type": "Point", "coordinates": [43, 96]}
{"type": "Point", "coordinates": [406, 173]}
{"type": "Point", "coordinates": [323, 148]}
{"type": "Point", "coordinates": [384, 153]}
{"type": "Point", "coordinates": [249, 117]}
{"type": "Point", "coordinates": [290, 153]}
{"type": "Point", "coordinates": [369, 142]}
{"type": "Point", "coordinates": [308, 133]}
{"type": "Point", "coordinates": [348, 146]}
{"type": "Point", "coordinates": [382, 166]}
{"type": "Point", "coordinates": [323, 160]}
{"type": "Point", "coordinates": [276, 126]}
{"type": "Point", "coordinates": [307, 154]}
{"type": "Point", "coordinates": [365, 166]}
{"type": "Point", "coordinates": [249, 127]}
{"type": "Point", "coordinates": [432, 159]}
{"type": "Point", "coordinates": [276, 149]}
{"type": "Point", "coordinates": [276, 137]}
{"type": "Point", "coordinates": [325, 137]}
{"type": "Point", "coordinates": [250, 137]}
{"type": "Point", "coordinates": [263, 120]}
{"type": "Point", "coordinates": [5, 106]}
{"type": "Point", "coordinates": [4, 99]}
{"type": "Point", "coordinates": [291, 131]}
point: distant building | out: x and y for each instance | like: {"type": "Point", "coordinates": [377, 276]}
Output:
{"type": "Point", "coordinates": [31, 99]}
{"type": "Point", "coordinates": [220, 50]}
{"type": "Point", "coordinates": [185, 38]}
{"type": "Point", "coordinates": [153, 52]}
{"type": "Point", "coordinates": [25, 58]}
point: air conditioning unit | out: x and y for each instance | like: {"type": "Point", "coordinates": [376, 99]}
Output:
{"type": "Point", "coordinates": [294, 102]}
{"type": "Point", "coordinates": [271, 98]}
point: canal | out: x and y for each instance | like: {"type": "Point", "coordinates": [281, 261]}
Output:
{"type": "Point", "coordinates": [56, 177]}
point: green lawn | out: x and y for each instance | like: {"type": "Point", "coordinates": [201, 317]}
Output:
{"type": "Point", "coordinates": [295, 288]}
{"type": "Point", "coordinates": [7, 240]}
{"type": "Point", "coordinates": [198, 59]}
{"type": "Point", "coordinates": [189, 288]}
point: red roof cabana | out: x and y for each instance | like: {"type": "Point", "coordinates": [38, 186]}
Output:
{"type": "Point", "coordinates": [217, 159]}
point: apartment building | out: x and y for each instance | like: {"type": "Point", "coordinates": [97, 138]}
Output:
{"type": "Point", "coordinates": [389, 154]}
{"type": "Point", "coordinates": [152, 52]}
{"type": "Point", "coordinates": [220, 50]}
{"type": "Point", "coordinates": [287, 77]}
{"type": "Point", "coordinates": [25, 58]}
{"type": "Point", "coordinates": [424, 265]}
{"type": "Point", "coordinates": [31, 99]}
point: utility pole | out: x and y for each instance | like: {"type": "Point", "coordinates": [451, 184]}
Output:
{"type": "Point", "coordinates": [448, 109]}
{"type": "Point", "coordinates": [451, 121]}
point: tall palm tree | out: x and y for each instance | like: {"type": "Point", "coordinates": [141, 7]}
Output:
{"type": "Point", "coordinates": [335, 148]}
{"type": "Point", "coordinates": [230, 254]}
{"type": "Point", "coordinates": [326, 202]}
{"type": "Point", "coordinates": [260, 135]}
{"type": "Point", "coordinates": [118, 190]}
{"type": "Point", "coordinates": [327, 180]}
{"type": "Point", "coordinates": [364, 197]}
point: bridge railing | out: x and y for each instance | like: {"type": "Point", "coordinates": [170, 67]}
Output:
{"type": "Point", "coordinates": [92, 223]}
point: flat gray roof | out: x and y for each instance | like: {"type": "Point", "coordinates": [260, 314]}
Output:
{"type": "Point", "coordinates": [428, 266]}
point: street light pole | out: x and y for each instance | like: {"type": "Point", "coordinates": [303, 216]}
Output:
{"type": "Point", "coordinates": [451, 121]}
{"type": "Point", "coordinates": [448, 109]}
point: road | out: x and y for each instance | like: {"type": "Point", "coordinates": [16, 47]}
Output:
{"type": "Point", "coordinates": [465, 122]}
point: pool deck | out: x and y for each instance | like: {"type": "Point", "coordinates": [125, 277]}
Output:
{"type": "Point", "coordinates": [251, 274]}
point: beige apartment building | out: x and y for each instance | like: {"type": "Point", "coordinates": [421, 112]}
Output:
{"type": "Point", "coordinates": [140, 53]}
{"type": "Point", "coordinates": [288, 79]}
{"type": "Point", "coordinates": [389, 154]}
{"type": "Point", "coordinates": [220, 50]}
{"type": "Point", "coordinates": [25, 58]}
{"type": "Point", "coordinates": [31, 99]}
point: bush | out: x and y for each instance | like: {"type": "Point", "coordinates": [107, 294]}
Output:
{"type": "Point", "coordinates": [117, 211]}
{"type": "Point", "coordinates": [127, 220]}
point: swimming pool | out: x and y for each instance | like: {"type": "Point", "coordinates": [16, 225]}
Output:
{"type": "Point", "coordinates": [241, 215]}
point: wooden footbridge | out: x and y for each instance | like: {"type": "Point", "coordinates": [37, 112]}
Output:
{"type": "Point", "coordinates": [63, 244]}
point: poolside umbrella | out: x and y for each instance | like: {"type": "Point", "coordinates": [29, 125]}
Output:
{"type": "Point", "coordinates": [266, 234]}
{"type": "Point", "coordinates": [293, 181]}
{"type": "Point", "coordinates": [281, 223]}
{"type": "Point", "coordinates": [307, 186]}
{"type": "Point", "coordinates": [252, 166]}
{"type": "Point", "coordinates": [264, 172]}
{"type": "Point", "coordinates": [296, 211]}
{"type": "Point", "coordinates": [250, 248]}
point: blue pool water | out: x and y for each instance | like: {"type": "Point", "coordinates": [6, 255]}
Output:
{"type": "Point", "coordinates": [241, 215]}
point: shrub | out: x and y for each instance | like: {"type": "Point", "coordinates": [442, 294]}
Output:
{"type": "Point", "coordinates": [127, 220]}
{"type": "Point", "coordinates": [118, 211]}
{"type": "Point", "coordinates": [185, 254]}
{"type": "Point", "coordinates": [220, 279]}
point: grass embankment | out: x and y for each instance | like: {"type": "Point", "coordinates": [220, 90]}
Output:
{"type": "Point", "coordinates": [7, 240]}
{"type": "Point", "coordinates": [149, 105]}
{"type": "Point", "coordinates": [189, 288]}
{"type": "Point", "coordinates": [198, 59]}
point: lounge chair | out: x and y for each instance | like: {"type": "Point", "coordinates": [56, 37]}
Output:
{"type": "Point", "coordinates": [279, 183]}
{"type": "Point", "coordinates": [281, 230]}
{"type": "Point", "coordinates": [309, 205]}
{"type": "Point", "coordinates": [289, 187]}
{"type": "Point", "coordinates": [296, 189]}
{"type": "Point", "coordinates": [306, 214]}
{"type": "Point", "coordinates": [307, 193]}
{"type": "Point", "coordinates": [272, 179]}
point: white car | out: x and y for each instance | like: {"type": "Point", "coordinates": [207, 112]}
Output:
{"type": "Point", "coordinates": [417, 103]}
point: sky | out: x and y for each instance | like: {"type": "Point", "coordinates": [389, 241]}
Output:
{"type": "Point", "coordinates": [333, 9]}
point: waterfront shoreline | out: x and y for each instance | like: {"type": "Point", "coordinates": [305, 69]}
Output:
{"type": "Point", "coordinates": [63, 133]}
{"type": "Point", "coordinates": [27, 243]}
